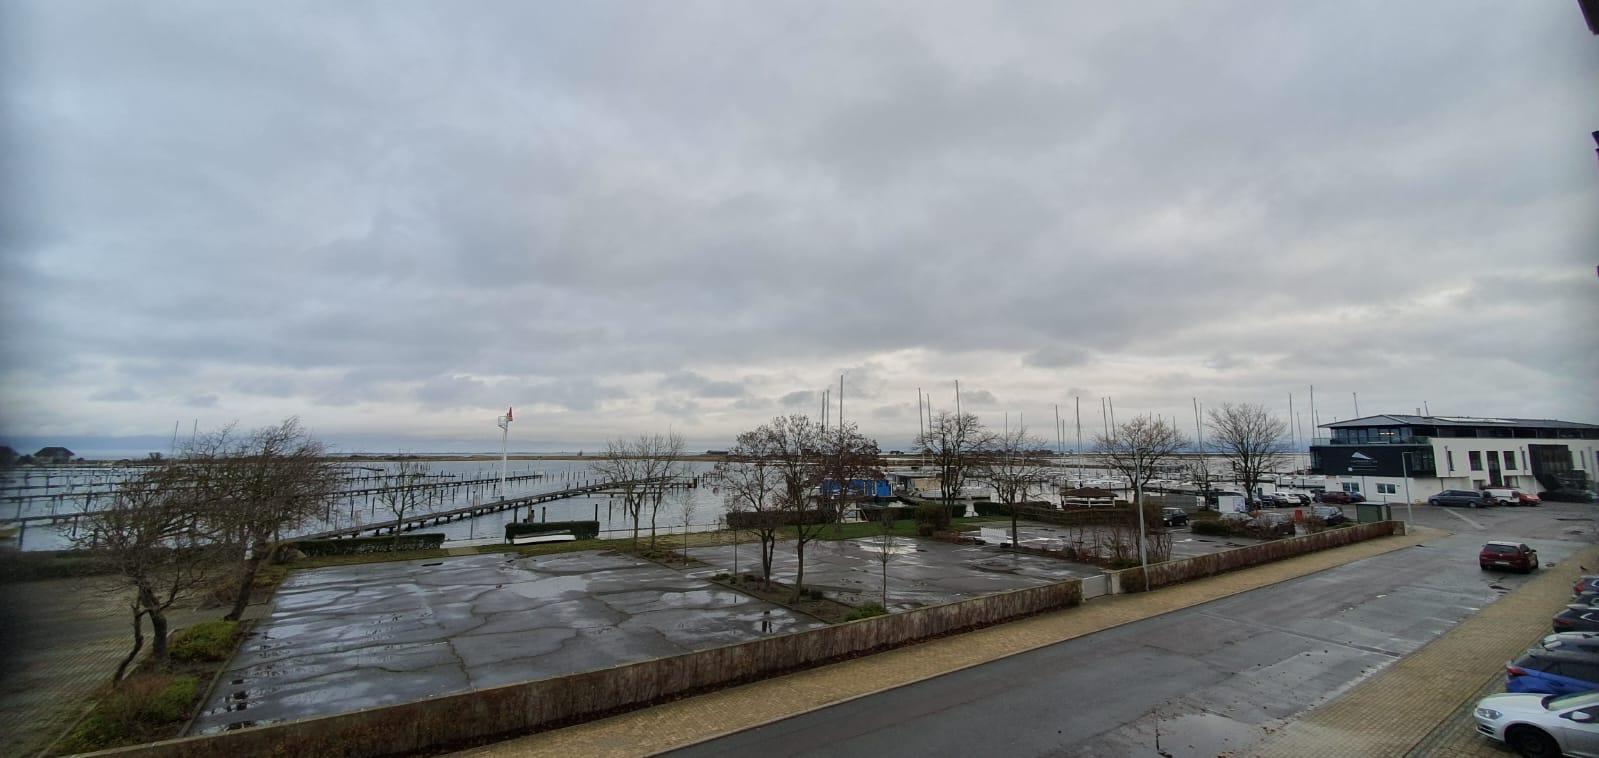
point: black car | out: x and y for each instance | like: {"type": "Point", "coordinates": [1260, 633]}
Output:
{"type": "Point", "coordinates": [1567, 496]}
{"type": "Point", "coordinates": [1173, 517]}
{"type": "Point", "coordinates": [1577, 618]}
{"type": "Point", "coordinates": [1585, 584]}
{"type": "Point", "coordinates": [1467, 498]}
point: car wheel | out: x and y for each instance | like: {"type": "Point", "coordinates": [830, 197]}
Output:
{"type": "Point", "coordinates": [1533, 742]}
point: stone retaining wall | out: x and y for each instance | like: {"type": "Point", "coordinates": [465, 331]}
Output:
{"type": "Point", "coordinates": [1200, 566]}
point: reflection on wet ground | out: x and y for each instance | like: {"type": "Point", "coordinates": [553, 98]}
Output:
{"type": "Point", "coordinates": [347, 638]}
{"type": "Point", "coordinates": [920, 571]}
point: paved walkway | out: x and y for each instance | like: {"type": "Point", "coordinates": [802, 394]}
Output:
{"type": "Point", "coordinates": [1419, 705]}
{"type": "Point", "coordinates": [685, 722]}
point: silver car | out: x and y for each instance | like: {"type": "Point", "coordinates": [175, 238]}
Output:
{"type": "Point", "coordinates": [1542, 725]}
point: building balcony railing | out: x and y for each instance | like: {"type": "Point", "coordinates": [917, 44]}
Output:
{"type": "Point", "coordinates": [1329, 441]}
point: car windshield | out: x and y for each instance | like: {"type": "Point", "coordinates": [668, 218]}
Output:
{"type": "Point", "coordinates": [1501, 549]}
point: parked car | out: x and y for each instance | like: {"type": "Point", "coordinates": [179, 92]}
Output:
{"type": "Point", "coordinates": [1468, 498]}
{"type": "Point", "coordinates": [1337, 496]}
{"type": "Point", "coordinates": [1583, 584]}
{"type": "Point", "coordinates": [1331, 515]}
{"type": "Point", "coordinates": [1294, 498]}
{"type": "Point", "coordinates": [1552, 672]}
{"type": "Point", "coordinates": [1498, 554]}
{"type": "Point", "coordinates": [1567, 496]}
{"type": "Point", "coordinates": [1576, 618]}
{"type": "Point", "coordinates": [1272, 500]}
{"type": "Point", "coordinates": [1173, 517]}
{"type": "Point", "coordinates": [1502, 495]}
{"type": "Point", "coordinates": [1535, 725]}
{"type": "Point", "coordinates": [1268, 525]}
{"type": "Point", "coordinates": [1527, 498]}
{"type": "Point", "coordinates": [1583, 642]}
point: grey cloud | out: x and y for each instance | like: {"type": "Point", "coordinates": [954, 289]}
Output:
{"type": "Point", "coordinates": [593, 197]}
{"type": "Point", "coordinates": [206, 400]}
{"type": "Point", "coordinates": [699, 386]}
{"type": "Point", "coordinates": [800, 399]}
{"type": "Point", "coordinates": [118, 395]}
{"type": "Point", "coordinates": [1056, 356]}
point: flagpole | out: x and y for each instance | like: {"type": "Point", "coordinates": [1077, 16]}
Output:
{"type": "Point", "coordinates": [505, 433]}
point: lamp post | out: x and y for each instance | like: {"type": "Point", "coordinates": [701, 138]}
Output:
{"type": "Point", "coordinates": [1410, 508]}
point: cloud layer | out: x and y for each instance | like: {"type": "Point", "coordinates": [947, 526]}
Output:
{"type": "Point", "coordinates": [394, 219]}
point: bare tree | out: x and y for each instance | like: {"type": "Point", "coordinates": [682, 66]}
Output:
{"type": "Point", "coordinates": [258, 487]}
{"type": "Point", "coordinates": [685, 499]}
{"type": "Point", "coordinates": [641, 469]}
{"type": "Point", "coordinates": [1138, 448]}
{"type": "Point", "coordinates": [792, 445]}
{"type": "Point", "coordinates": [844, 457]}
{"type": "Point", "coordinates": [1012, 469]}
{"type": "Point", "coordinates": [885, 535]}
{"type": "Point", "coordinates": [751, 485]}
{"type": "Point", "coordinates": [1251, 439]}
{"type": "Point", "coordinates": [402, 495]}
{"type": "Point", "coordinates": [955, 443]}
{"type": "Point", "coordinates": [149, 533]}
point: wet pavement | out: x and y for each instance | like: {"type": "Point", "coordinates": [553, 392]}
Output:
{"type": "Point", "coordinates": [920, 571]}
{"type": "Point", "coordinates": [348, 638]}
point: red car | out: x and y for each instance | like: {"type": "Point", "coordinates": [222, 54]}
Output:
{"type": "Point", "coordinates": [1508, 555]}
{"type": "Point", "coordinates": [1527, 498]}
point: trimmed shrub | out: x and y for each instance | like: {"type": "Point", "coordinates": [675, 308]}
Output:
{"type": "Point", "coordinates": [866, 611]}
{"type": "Point", "coordinates": [205, 641]}
{"type": "Point", "coordinates": [583, 530]}
{"type": "Point", "coordinates": [934, 516]}
{"type": "Point", "coordinates": [363, 545]}
{"type": "Point", "coordinates": [1211, 527]}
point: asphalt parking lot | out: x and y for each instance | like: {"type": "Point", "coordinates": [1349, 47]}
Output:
{"type": "Point", "coordinates": [347, 638]}
{"type": "Point", "coordinates": [920, 571]}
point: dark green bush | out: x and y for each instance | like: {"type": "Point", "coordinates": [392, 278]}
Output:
{"type": "Point", "coordinates": [1211, 527]}
{"type": "Point", "coordinates": [362, 545]}
{"type": "Point", "coordinates": [935, 516]}
{"type": "Point", "coordinates": [866, 611]}
{"type": "Point", "coordinates": [205, 641]}
{"type": "Point", "coordinates": [583, 530]}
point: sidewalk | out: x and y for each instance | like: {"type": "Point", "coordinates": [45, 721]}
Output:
{"type": "Point", "coordinates": [685, 722]}
{"type": "Point", "coordinates": [1419, 705]}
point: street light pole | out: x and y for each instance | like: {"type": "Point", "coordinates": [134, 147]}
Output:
{"type": "Point", "coordinates": [1138, 502]}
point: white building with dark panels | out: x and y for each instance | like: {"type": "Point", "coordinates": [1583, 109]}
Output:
{"type": "Point", "coordinates": [1387, 458]}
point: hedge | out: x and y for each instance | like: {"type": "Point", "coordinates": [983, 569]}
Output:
{"type": "Point", "coordinates": [359, 545]}
{"type": "Point", "coordinates": [583, 530]}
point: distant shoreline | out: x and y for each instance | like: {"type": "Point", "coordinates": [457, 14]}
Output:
{"type": "Point", "coordinates": [373, 458]}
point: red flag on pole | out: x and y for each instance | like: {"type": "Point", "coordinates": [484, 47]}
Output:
{"type": "Point", "coordinates": [507, 414]}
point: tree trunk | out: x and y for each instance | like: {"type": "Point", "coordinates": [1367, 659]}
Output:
{"type": "Point", "coordinates": [241, 599]}
{"type": "Point", "coordinates": [138, 643]}
{"type": "Point", "coordinates": [799, 578]}
{"type": "Point", "coordinates": [1015, 541]}
{"type": "Point", "coordinates": [768, 554]}
{"type": "Point", "coordinates": [158, 625]}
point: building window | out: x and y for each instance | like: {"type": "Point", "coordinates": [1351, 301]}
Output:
{"type": "Point", "coordinates": [1351, 487]}
{"type": "Point", "coordinates": [1510, 460]}
{"type": "Point", "coordinates": [1475, 458]}
{"type": "Point", "coordinates": [1387, 489]}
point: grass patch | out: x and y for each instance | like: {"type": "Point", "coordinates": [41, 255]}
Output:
{"type": "Point", "coordinates": [811, 602]}
{"type": "Point", "coordinates": [143, 708]}
{"type": "Point", "coordinates": [866, 611]}
{"type": "Point", "coordinates": [205, 641]}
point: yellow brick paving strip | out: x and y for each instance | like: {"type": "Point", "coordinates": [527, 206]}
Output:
{"type": "Point", "coordinates": [1394, 711]}
{"type": "Point", "coordinates": [688, 721]}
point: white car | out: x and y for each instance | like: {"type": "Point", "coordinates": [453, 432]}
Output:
{"type": "Point", "coordinates": [1542, 725]}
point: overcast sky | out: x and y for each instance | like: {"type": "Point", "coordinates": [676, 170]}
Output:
{"type": "Point", "coordinates": [395, 219]}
